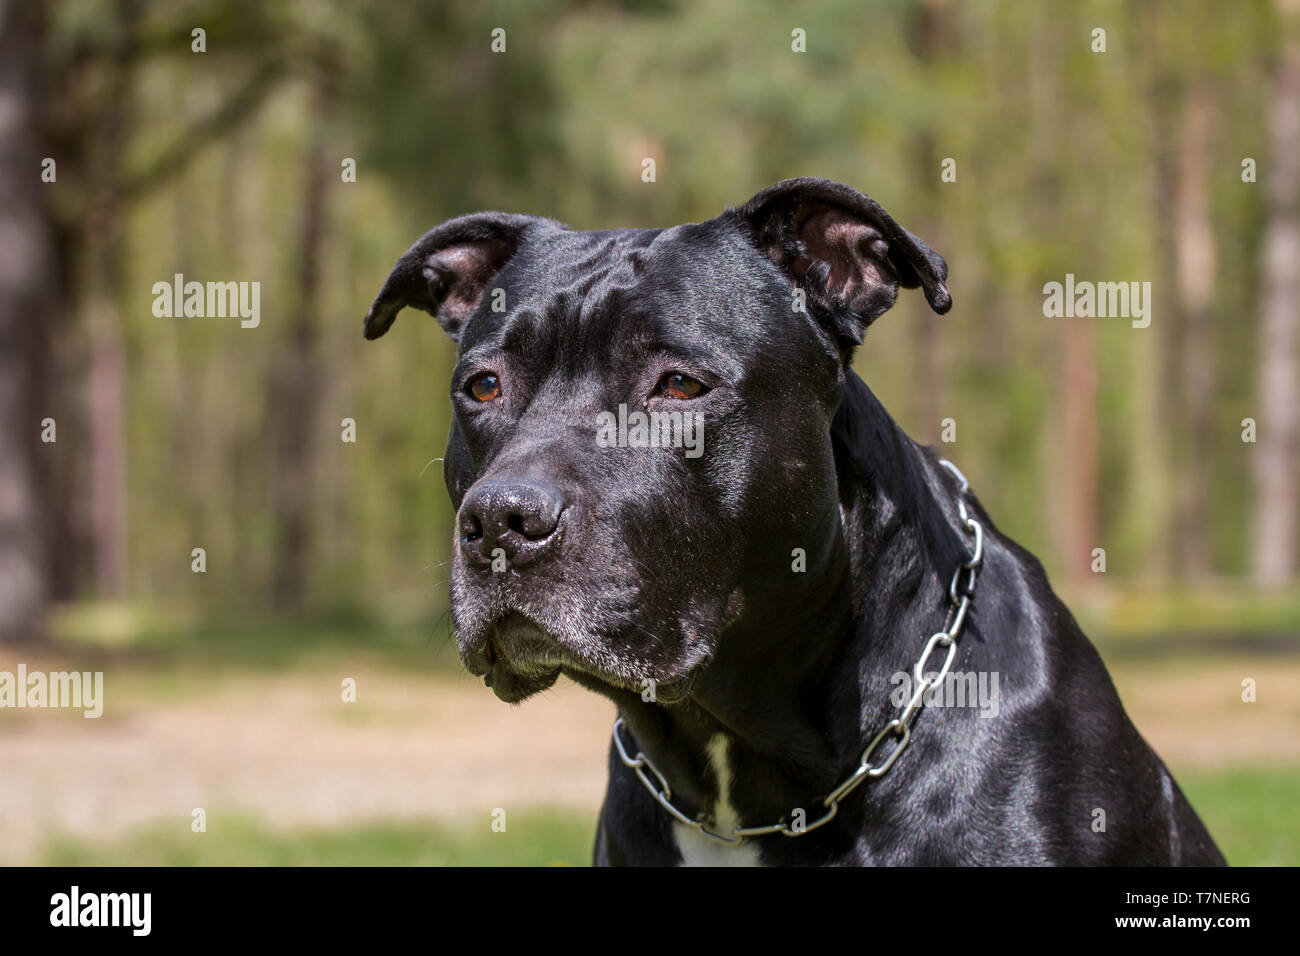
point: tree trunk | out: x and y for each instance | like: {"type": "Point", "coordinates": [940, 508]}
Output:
{"type": "Point", "coordinates": [1274, 548]}
{"type": "Point", "coordinates": [27, 279]}
{"type": "Point", "coordinates": [1082, 440]}
{"type": "Point", "coordinates": [295, 384]}
{"type": "Point", "coordinates": [106, 400]}
{"type": "Point", "coordinates": [1195, 254]}
{"type": "Point", "coordinates": [102, 291]}
{"type": "Point", "coordinates": [929, 40]}
{"type": "Point", "coordinates": [1152, 474]}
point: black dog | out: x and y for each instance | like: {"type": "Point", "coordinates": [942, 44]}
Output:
{"type": "Point", "coordinates": [752, 602]}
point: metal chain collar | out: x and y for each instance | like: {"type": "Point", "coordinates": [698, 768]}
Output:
{"type": "Point", "coordinates": [959, 597]}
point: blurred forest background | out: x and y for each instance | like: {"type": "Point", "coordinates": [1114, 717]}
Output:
{"type": "Point", "coordinates": [1172, 157]}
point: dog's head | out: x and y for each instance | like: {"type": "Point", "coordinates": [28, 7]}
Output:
{"type": "Point", "coordinates": [640, 447]}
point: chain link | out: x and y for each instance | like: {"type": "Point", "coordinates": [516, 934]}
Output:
{"type": "Point", "coordinates": [899, 729]}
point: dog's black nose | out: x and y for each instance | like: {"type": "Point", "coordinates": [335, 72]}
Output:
{"type": "Point", "coordinates": [514, 520]}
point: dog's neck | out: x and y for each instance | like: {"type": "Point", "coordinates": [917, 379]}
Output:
{"type": "Point", "coordinates": [796, 684]}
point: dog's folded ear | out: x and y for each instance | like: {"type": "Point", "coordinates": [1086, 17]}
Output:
{"type": "Point", "coordinates": [846, 253]}
{"type": "Point", "coordinates": [447, 271]}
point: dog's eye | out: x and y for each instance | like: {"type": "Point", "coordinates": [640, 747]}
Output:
{"type": "Point", "coordinates": [678, 385]}
{"type": "Point", "coordinates": [483, 387]}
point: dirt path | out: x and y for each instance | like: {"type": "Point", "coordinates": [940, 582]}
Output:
{"type": "Point", "coordinates": [291, 753]}
{"type": "Point", "coordinates": [1193, 714]}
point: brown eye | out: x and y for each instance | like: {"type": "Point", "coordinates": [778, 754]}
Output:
{"type": "Point", "coordinates": [677, 385]}
{"type": "Point", "coordinates": [484, 387]}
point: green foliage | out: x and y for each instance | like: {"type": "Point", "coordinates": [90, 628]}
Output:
{"type": "Point", "coordinates": [1062, 155]}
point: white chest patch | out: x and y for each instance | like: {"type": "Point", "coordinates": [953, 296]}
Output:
{"type": "Point", "coordinates": [697, 849]}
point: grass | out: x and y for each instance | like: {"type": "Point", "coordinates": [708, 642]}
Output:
{"type": "Point", "coordinates": [162, 638]}
{"type": "Point", "coordinates": [539, 838]}
{"type": "Point", "coordinates": [1250, 812]}
{"type": "Point", "coordinates": [1209, 613]}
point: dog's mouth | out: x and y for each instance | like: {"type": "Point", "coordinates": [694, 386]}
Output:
{"type": "Point", "coordinates": [517, 657]}
{"type": "Point", "coordinates": [513, 687]}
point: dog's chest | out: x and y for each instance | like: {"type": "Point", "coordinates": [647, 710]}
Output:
{"type": "Point", "coordinates": [698, 850]}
